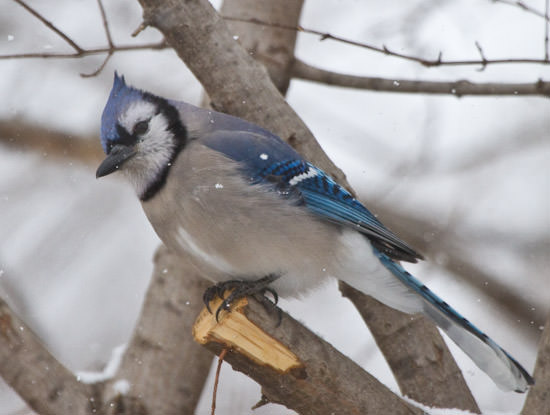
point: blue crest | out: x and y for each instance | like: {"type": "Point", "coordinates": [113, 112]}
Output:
{"type": "Point", "coordinates": [121, 96]}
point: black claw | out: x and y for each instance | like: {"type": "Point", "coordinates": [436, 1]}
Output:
{"type": "Point", "coordinates": [208, 296]}
{"type": "Point", "coordinates": [271, 306]}
{"type": "Point", "coordinates": [240, 289]}
{"type": "Point", "coordinates": [273, 294]}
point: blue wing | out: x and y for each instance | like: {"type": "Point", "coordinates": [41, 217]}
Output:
{"type": "Point", "coordinates": [265, 158]}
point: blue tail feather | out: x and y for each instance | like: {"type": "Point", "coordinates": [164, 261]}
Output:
{"type": "Point", "coordinates": [505, 371]}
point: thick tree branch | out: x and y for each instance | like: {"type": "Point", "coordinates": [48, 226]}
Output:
{"type": "Point", "coordinates": [22, 135]}
{"type": "Point", "coordinates": [163, 370]}
{"type": "Point", "coordinates": [272, 46]}
{"type": "Point", "coordinates": [538, 398]}
{"type": "Point", "coordinates": [37, 376]}
{"type": "Point", "coordinates": [302, 70]}
{"type": "Point", "coordinates": [295, 367]}
{"type": "Point", "coordinates": [202, 40]}
{"type": "Point", "coordinates": [415, 351]}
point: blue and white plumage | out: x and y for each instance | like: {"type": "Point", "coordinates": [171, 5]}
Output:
{"type": "Point", "coordinates": [242, 204]}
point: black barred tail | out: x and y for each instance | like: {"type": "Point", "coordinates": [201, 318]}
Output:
{"type": "Point", "coordinates": [502, 368]}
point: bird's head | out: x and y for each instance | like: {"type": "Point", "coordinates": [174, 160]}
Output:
{"type": "Point", "coordinates": [141, 134]}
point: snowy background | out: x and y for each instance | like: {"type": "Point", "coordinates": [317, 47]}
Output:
{"type": "Point", "coordinates": [76, 253]}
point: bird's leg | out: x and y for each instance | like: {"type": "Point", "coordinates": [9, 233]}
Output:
{"type": "Point", "coordinates": [239, 289]}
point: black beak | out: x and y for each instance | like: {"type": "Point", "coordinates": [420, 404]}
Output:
{"type": "Point", "coordinates": [118, 155]}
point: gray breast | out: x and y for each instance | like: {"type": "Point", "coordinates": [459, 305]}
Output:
{"type": "Point", "coordinates": [234, 229]}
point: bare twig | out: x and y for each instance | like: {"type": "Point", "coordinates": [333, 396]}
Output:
{"type": "Point", "coordinates": [80, 52]}
{"type": "Point", "coordinates": [50, 25]}
{"type": "Point", "coordinates": [546, 28]}
{"type": "Point", "coordinates": [524, 7]}
{"type": "Point", "coordinates": [482, 55]}
{"type": "Point", "coordinates": [217, 378]}
{"type": "Point", "coordinates": [142, 26]}
{"type": "Point", "coordinates": [100, 68]}
{"type": "Point", "coordinates": [87, 52]}
{"type": "Point", "coordinates": [105, 24]}
{"type": "Point", "coordinates": [302, 70]}
{"type": "Point", "coordinates": [387, 51]}
{"type": "Point", "coordinates": [109, 41]}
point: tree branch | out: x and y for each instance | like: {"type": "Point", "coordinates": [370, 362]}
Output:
{"type": "Point", "coordinates": [50, 25]}
{"type": "Point", "coordinates": [302, 70]}
{"type": "Point", "coordinates": [524, 7]}
{"type": "Point", "coordinates": [415, 352]}
{"type": "Point", "coordinates": [538, 397]}
{"type": "Point", "coordinates": [37, 376]}
{"type": "Point", "coordinates": [243, 88]}
{"type": "Point", "coordinates": [429, 63]}
{"type": "Point", "coordinates": [80, 52]}
{"type": "Point", "coordinates": [21, 135]}
{"type": "Point", "coordinates": [271, 46]}
{"type": "Point", "coordinates": [105, 24]}
{"type": "Point", "coordinates": [87, 52]}
{"type": "Point", "coordinates": [163, 369]}
{"type": "Point", "coordinates": [295, 367]}
{"type": "Point", "coordinates": [547, 30]}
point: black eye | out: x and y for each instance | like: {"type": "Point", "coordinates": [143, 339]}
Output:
{"type": "Point", "coordinates": [141, 127]}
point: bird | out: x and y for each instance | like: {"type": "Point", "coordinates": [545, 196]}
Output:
{"type": "Point", "coordinates": [255, 216]}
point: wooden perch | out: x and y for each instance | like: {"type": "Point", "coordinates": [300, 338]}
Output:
{"type": "Point", "coordinates": [294, 366]}
{"type": "Point", "coordinates": [237, 333]}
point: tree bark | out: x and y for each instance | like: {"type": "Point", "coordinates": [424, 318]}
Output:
{"type": "Point", "coordinates": [40, 380]}
{"type": "Point", "coordinates": [272, 46]}
{"type": "Point", "coordinates": [538, 398]}
{"type": "Point", "coordinates": [461, 88]}
{"type": "Point", "coordinates": [416, 353]}
{"type": "Point", "coordinates": [295, 367]}
{"type": "Point", "coordinates": [163, 369]}
{"type": "Point", "coordinates": [234, 81]}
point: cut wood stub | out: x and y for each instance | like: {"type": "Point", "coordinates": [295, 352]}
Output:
{"type": "Point", "coordinates": [236, 332]}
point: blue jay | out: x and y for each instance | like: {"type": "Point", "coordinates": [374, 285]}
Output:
{"type": "Point", "coordinates": [253, 213]}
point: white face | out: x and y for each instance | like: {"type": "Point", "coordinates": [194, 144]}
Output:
{"type": "Point", "coordinates": [154, 146]}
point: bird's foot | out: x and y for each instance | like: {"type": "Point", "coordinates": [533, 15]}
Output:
{"type": "Point", "coordinates": [240, 289]}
